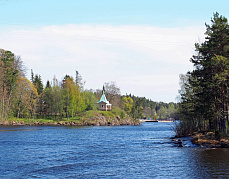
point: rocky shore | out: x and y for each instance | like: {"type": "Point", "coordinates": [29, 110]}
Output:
{"type": "Point", "coordinates": [203, 139]}
{"type": "Point", "coordinates": [101, 120]}
{"type": "Point", "coordinates": [209, 140]}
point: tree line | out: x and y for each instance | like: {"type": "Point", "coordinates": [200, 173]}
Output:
{"type": "Point", "coordinates": [57, 99]}
{"type": "Point", "coordinates": [140, 107]}
{"type": "Point", "coordinates": [23, 98]}
{"type": "Point", "coordinates": [204, 93]}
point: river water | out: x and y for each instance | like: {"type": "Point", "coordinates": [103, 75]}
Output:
{"type": "Point", "coordinates": [143, 151]}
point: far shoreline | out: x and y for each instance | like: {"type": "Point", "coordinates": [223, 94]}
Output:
{"type": "Point", "coordinates": [97, 120]}
{"type": "Point", "coordinates": [58, 124]}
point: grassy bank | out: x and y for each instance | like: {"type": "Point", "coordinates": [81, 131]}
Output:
{"type": "Point", "coordinates": [93, 117]}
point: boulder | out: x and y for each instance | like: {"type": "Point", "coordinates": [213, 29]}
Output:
{"type": "Point", "coordinates": [179, 143]}
{"type": "Point", "coordinates": [224, 143]}
{"type": "Point", "coordinates": [6, 123]}
{"type": "Point", "coordinates": [195, 140]}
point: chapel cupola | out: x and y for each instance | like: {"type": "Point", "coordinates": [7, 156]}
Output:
{"type": "Point", "coordinates": [104, 105]}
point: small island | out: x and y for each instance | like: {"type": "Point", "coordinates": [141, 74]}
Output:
{"type": "Point", "coordinates": [67, 102]}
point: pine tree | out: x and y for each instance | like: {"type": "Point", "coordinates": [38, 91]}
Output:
{"type": "Point", "coordinates": [38, 84]}
{"type": "Point", "coordinates": [206, 91]}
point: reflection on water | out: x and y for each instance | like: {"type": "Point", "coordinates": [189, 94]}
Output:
{"type": "Point", "coordinates": [215, 162]}
{"type": "Point", "coordinates": [105, 152]}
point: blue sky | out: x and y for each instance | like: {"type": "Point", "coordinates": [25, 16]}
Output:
{"type": "Point", "coordinates": [115, 12]}
{"type": "Point", "coordinates": [142, 45]}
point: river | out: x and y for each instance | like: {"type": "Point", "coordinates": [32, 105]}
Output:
{"type": "Point", "coordinates": [143, 151]}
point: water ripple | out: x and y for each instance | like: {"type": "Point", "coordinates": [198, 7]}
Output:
{"type": "Point", "coordinates": [105, 152]}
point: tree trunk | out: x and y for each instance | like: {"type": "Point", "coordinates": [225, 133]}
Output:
{"type": "Point", "coordinates": [3, 100]}
{"type": "Point", "coordinates": [19, 108]}
{"type": "Point", "coordinates": [9, 104]}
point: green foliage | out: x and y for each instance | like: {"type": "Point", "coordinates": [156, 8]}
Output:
{"type": "Point", "coordinates": [9, 73]}
{"type": "Point", "coordinates": [69, 99]}
{"type": "Point", "coordinates": [118, 111]}
{"type": "Point", "coordinates": [38, 84]}
{"type": "Point", "coordinates": [25, 98]}
{"type": "Point", "coordinates": [114, 112]}
{"type": "Point", "coordinates": [70, 94]}
{"type": "Point", "coordinates": [66, 100]}
{"type": "Point", "coordinates": [48, 85]}
{"type": "Point", "coordinates": [127, 103]}
{"type": "Point", "coordinates": [90, 101]}
{"type": "Point", "coordinates": [204, 91]}
{"type": "Point", "coordinates": [140, 107]}
{"type": "Point", "coordinates": [137, 109]}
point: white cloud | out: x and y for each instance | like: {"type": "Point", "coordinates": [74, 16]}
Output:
{"type": "Point", "coordinates": [143, 60]}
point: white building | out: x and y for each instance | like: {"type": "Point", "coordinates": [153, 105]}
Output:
{"type": "Point", "coordinates": [104, 105]}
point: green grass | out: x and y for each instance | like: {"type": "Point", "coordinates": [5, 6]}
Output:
{"type": "Point", "coordinates": [78, 119]}
{"type": "Point", "coordinates": [27, 120]}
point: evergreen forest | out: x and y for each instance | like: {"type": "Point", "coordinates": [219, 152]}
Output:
{"type": "Point", "coordinates": [204, 93]}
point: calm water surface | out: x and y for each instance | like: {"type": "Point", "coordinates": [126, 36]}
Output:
{"type": "Point", "coordinates": [105, 152]}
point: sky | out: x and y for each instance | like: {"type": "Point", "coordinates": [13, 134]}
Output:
{"type": "Point", "coordinates": [141, 45]}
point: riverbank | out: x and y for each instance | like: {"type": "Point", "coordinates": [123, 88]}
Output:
{"type": "Point", "coordinates": [92, 118]}
{"type": "Point", "coordinates": [209, 140]}
{"type": "Point", "coordinates": [204, 139]}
